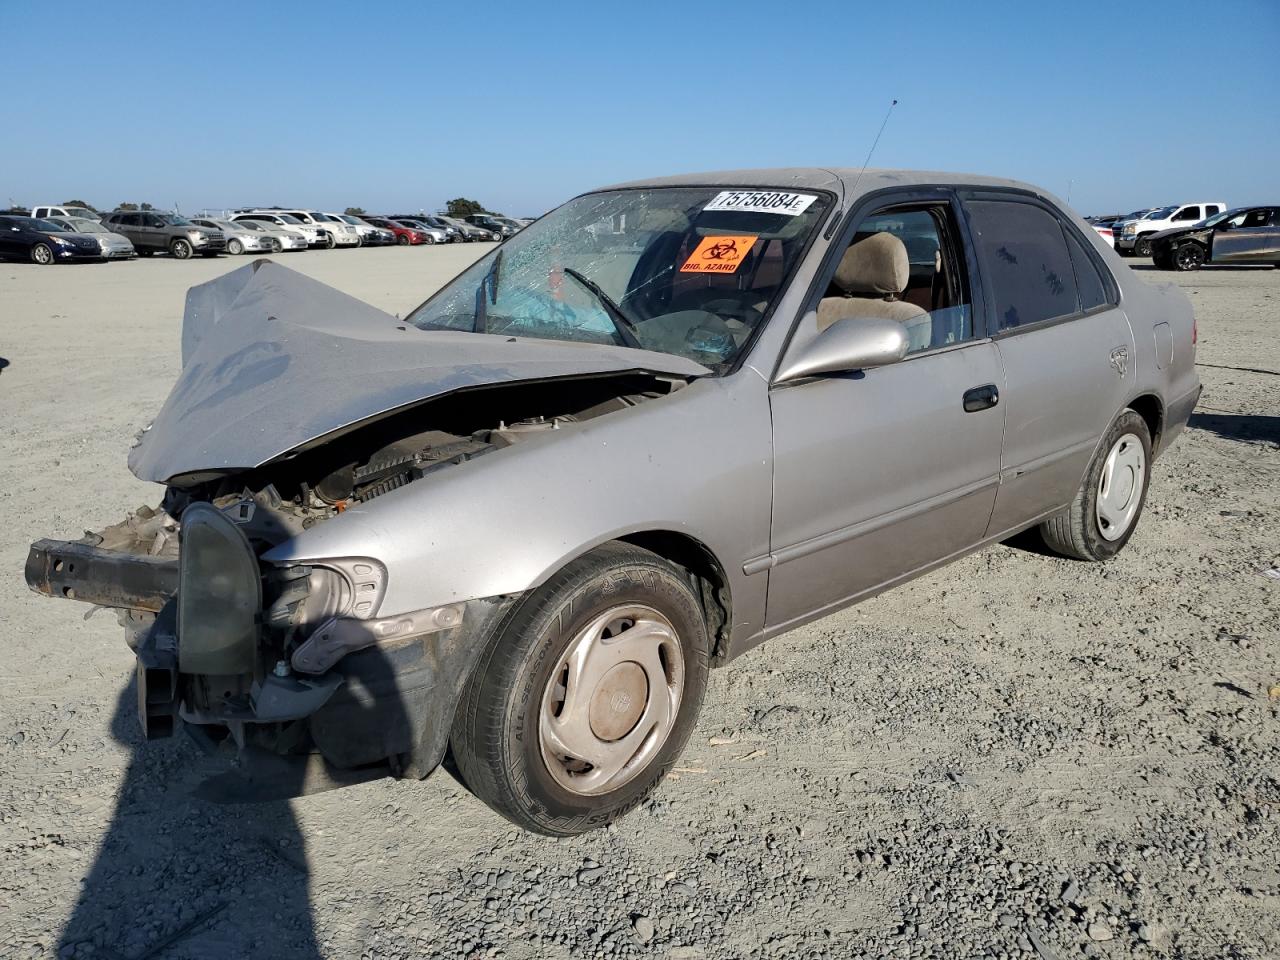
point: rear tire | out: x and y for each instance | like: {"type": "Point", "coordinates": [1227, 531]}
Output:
{"type": "Point", "coordinates": [1102, 517]}
{"type": "Point", "coordinates": [561, 752]}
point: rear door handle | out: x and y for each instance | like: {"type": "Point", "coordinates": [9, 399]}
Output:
{"type": "Point", "coordinates": [981, 398]}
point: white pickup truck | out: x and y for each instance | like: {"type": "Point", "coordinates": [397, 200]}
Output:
{"type": "Point", "coordinates": [50, 210]}
{"type": "Point", "coordinates": [1133, 237]}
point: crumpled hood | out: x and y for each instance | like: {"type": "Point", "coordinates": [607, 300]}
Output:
{"type": "Point", "coordinates": [273, 360]}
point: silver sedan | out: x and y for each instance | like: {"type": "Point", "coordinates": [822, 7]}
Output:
{"type": "Point", "coordinates": [114, 246]}
{"type": "Point", "coordinates": [666, 422]}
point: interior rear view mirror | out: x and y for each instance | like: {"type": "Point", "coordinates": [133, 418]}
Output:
{"type": "Point", "coordinates": [854, 343]}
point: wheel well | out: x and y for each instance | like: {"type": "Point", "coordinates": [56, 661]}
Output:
{"type": "Point", "coordinates": [713, 584]}
{"type": "Point", "coordinates": [1148, 407]}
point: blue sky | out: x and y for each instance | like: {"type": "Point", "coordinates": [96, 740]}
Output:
{"type": "Point", "coordinates": [523, 105]}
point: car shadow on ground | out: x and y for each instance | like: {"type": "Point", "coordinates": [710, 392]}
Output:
{"type": "Point", "coordinates": [1207, 268]}
{"type": "Point", "coordinates": [1244, 427]}
{"type": "Point", "coordinates": [173, 869]}
{"type": "Point", "coordinates": [210, 880]}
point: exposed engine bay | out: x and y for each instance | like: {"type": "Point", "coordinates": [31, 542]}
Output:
{"type": "Point", "coordinates": [376, 458]}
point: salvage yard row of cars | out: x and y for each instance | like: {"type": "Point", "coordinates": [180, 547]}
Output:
{"type": "Point", "coordinates": [53, 234]}
{"type": "Point", "coordinates": [518, 524]}
{"type": "Point", "coordinates": [1187, 236]}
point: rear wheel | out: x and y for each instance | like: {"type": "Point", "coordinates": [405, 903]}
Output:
{"type": "Point", "coordinates": [181, 249]}
{"type": "Point", "coordinates": [42, 253]}
{"type": "Point", "coordinates": [586, 694]}
{"type": "Point", "coordinates": [1105, 512]}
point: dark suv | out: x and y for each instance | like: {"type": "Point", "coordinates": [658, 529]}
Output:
{"type": "Point", "coordinates": [152, 231]}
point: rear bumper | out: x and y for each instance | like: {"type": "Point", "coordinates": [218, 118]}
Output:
{"type": "Point", "coordinates": [1176, 416]}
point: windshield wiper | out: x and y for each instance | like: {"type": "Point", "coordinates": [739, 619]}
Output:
{"type": "Point", "coordinates": [488, 285]}
{"type": "Point", "coordinates": [626, 329]}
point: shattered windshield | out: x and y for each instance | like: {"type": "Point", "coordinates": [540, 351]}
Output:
{"type": "Point", "coordinates": [690, 271]}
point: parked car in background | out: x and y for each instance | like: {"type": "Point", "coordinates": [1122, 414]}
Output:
{"type": "Point", "coordinates": [370, 236]}
{"type": "Point", "coordinates": [151, 231]}
{"type": "Point", "coordinates": [283, 239]}
{"type": "Point", "coordinates": [494, 224]}
{"type": "Point", "coordinates": [240, 237]}
{"type": "Point", "coordinates": [434, 234]}
{"type": "Point", "coordinates": [1134, 237]}
{"type": "Point", "coordinates": [452, 233]}
{"type": "Point", "coordinates": [346, 577]}
{"type": "Point", "coordinates": [344, 234]}
{"type": "Point", "coordinates": [1245, 235]}
{"type": "Point", "coordinates": [114, 246]}
{"type": "Point", "coordinates": [49, 210]}
{"type": "Point", "coordinates": [316, 236]}
{"type": "Point", "coordinates": [405, 235]}
{"type": "Point", "coordinates": [44, 242]}
{"type": "Point", "coordinates": [1105, 232]}
{"type": "Point", "coordinates": [468, 231]}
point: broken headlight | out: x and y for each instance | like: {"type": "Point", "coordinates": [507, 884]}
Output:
{"type": "Point", "coordinates": [219, 595]}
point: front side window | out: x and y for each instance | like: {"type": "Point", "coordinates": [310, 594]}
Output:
{"type": "Point", "coordinates": [693, 272]}
{"type": "Point", "coordinates": [1023, 255]}
{"type": "Point", "coordinates": [1187, 213]}
{"type": "Point", "coordinates": [905, 263]}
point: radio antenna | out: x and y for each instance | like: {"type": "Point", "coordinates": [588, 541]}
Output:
{"type": "Point", "coordinates": [854, 189]}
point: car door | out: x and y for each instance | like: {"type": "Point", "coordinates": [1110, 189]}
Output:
{"type": "Point", "coordinates": [1253, 237]}
{"type": "Point", "coordinates": [11, 243]}
{"type": "Point", "coordinates": [1065, 345]}
{"type": "Point", "coordinates": [881, 473]}
{"type": "Point", "coordinates": [130, 224]}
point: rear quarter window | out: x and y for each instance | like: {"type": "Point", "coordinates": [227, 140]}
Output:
{"type": "Point", "coordinates": [1025, 262]}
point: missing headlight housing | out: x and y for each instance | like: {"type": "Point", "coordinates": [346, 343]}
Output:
{"type": "Point", "coordinates": [219, 595]}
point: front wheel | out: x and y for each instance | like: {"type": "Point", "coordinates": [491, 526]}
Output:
{"type": "Point", "coordinates": [1105, 512]}
{"type": "Point", "coordinates": [235, 247]}
{"type": "Point", "coordinates": [181, 249]}
{"type": "Point", "coordinates": [1189, 256]}
{"type": "Point", "coordinates": [276, 245]}
{"type": "Point", "coordinates": [586, 693]}
{"type": "Point", "coordinates": [329, 241]}
{"type": "Point", "coordinates": [403, 240]}
{"type": "Point", "coordinates": [42, 254]}
{"type": "Point", "coordinates": [1142, 247]}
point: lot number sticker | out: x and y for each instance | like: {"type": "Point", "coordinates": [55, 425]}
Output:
{"type": "Point", "coordinates": [718, 255]}
{"type": "Point", "coordinates": [761, 201]}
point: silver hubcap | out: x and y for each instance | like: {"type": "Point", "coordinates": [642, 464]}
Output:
{"type": "Point", "coordinates": [42, 254]}
{"type": "Point", "coordinates": [612, 700]}
{"type": "Point", "coordinates": [1120, 487]}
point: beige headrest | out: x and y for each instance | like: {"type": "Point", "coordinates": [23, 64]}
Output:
{"type": "Point", "coordinates": [876, 264]}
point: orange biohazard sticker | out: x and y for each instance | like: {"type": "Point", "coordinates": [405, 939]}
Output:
{"type": "Point", "coordinates": [718, 255]}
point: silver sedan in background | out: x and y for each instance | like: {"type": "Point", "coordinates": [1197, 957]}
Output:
{"type": "Point", "coordinates": [241, 238]}
{"type": "Point", "coordinates": [666, 422]}
{"type": "Point", "coordinates": [114, 246]}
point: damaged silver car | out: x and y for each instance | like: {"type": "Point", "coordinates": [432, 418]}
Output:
{"type": "Point", "coordinates": [664, 423]}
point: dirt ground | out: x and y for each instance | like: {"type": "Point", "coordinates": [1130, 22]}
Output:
{"type": "Point", "coordinates": [1017, 756]}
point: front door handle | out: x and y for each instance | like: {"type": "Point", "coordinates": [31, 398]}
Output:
{"type": "Point", "coordinates": [981, 398]}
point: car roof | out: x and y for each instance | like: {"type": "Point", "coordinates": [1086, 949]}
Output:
{"type": "Point", "coordinates": [841, 180]}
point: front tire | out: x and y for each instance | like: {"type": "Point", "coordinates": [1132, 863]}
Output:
{"type": "Point", "coordinates": [1189, 256]}
{"type": "Point", "coordinates": [1142, 247]}
{"type": "Point", "coordinates": [181, 249]}
{"type": "Point", "coordinates": [585, 694]}
{"type": "Point", "coordinates": [1106, 509]}
{"type": "Point", "coordinates": [235, 248]}
{"type": "Point", "coordinates": [330, 241]}
{"type": "Point", "coordinates": [42, 254]}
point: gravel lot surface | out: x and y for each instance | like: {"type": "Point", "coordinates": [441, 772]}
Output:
{"type": "Point", "coordinates": [1017, 756]}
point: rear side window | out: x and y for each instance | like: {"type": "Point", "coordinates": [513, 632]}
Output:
{"type": "Point", "coordinates": [1092, 290]}
{"type": "Point", "coordinates": [1023, 255]}
{"type": "Point", "coordinates": [1212, 209]}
